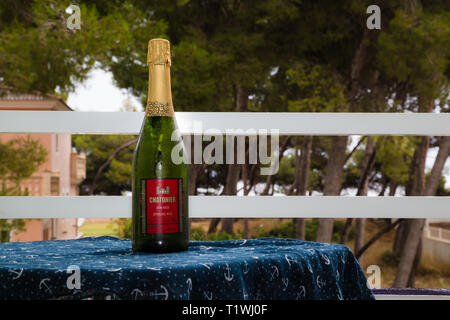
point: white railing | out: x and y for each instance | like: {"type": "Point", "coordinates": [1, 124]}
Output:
{"type": "Point", "coordinates": [437, 233]}
{"type": "Point", "coordinates": [233, 206]}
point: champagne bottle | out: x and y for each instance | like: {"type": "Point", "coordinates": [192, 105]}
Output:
{"type": "Point", "coordinates": [159, 186]}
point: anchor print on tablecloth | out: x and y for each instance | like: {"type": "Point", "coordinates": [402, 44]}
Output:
{"type": "Point", "coordinates": [43, 285]}
{"type": "Point", "coordinates": [208, 295]}
{"type": "Point", "coordinates": [275, 273]}
{"type": "Point", "coordinates": [289, 260]}
{"type": "Point", "coordinates": [325, 257]}
{"type": "Point", "coordinates": [17, 272]}
{"type": "Point", "coordinates": [245, 268]}
{"type": "Point", "coordinates": [308, 266]}
{"type": "Point", "coordinates": [207, 265]}
{"type": "Point", "coordinates": [301, 293]}
{"type": "Point", "coordinates": [285, 282]}
{"type": "Point", "coordinates": [228, 275]}
{"type": "Point", "coordinates": [240, 242]}
{"type": "Point", "coordinates": [164, 293]}
{"type": "Point", "coordinates": [154, 269]}
{"type": "Point", "coordinates": [189, 288]}
{"type": "Point", "coordinates": [136, 292]}
{"type": "Point", "coordinates": [320, 283]}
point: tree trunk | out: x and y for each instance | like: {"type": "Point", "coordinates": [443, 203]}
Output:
{"type": "Point", "coordinates": [431, 187]}
{"type": "Point", "coordinates": [336, 158]}
{"type": "Point", "coordinates": [194, 170]}
{"type": "Point", "coordinates": [412, 227]}
{"type": "Point", "coordinates": [363, 187]}
{"type": "Point", "coordinates": [333, 182]}
{"type": "Point", "coordinates": [234, 169]}
{"type": "Point", "coordinates": [302, 167]}
{"type": "Point", "coordinates": [411, 252]}
{"type": "Point", "coordinates": [270, 176]}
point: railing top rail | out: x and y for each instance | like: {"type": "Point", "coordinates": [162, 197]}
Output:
{"type": "Point", "coordinates": [233, 207]}
{"type": "Point", "coordinates": [435, 124]}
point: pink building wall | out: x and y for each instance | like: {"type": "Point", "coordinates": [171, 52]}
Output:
{"type": "Point", "coordinates": [59, 164]}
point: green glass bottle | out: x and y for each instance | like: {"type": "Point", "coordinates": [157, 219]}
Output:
{"type": "Point", "coordinates": [160, 216]}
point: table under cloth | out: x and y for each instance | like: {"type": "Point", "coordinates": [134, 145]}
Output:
{"type": "Point", "coordinates": [99, 267]}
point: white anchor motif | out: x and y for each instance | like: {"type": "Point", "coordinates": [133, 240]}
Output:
{"type": "Point", "coordinates": [325, 257]}
{"type": "Point", "coordinates": [319, 282]}
{"type": "Point", "coordinates": [115, 270]}
{"type": "Point", "coordinates": [165, 293]}
{"type": "Point", "coordinates": [43, 283]}
{"type": "Point", "coordinates": [309, 268]}
{"type": "Point", "coordinates": [154, 269]}
{"type": "Point", "coordinates": [205, 248]}
{"type": "Point", "coordinates": [189, 283]}
{"type": "Point", "coordinates": [228, 275]}
{"type": "Point", "coordinates": [311, 251]}
{"type": "Point", "coordinates": [285, 282]}
{"type": "Point", "coordinates": [207, 265]}
{"type": "Point", "coordinates": [245, 269]}
{"type": "Point", "coordinates": [243, 242]}
{"type": "Point", "coordinates": [136, 292]}
{"type": "Point", "coordinates": [208, 296]}
{"type": "Point", "coordinates": [343, 259]}
{"type": "Point", "coordinates": [275, 273]}
{"type": "Point", "coordinates": [17, 273]}
{"type": "Point", "coordinates": [301, 293]}
{"type": "Point", "coordinates": [289, 260]}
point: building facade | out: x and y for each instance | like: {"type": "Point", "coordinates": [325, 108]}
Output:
{"type": "Point", "coordinates": [60, 174]}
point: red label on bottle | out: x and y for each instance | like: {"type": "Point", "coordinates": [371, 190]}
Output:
{"type": "Point", "coordinates": [162, 205]}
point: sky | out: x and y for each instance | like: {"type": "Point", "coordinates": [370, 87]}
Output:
{"type": "Point", "coordinates": [98, 93]}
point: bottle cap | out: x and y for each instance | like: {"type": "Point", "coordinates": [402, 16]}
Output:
{"type": "Point", "coordinates": [158, 52]}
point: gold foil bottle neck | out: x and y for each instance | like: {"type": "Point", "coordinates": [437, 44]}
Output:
{"type": "Point", "coordinates": [158, 52]}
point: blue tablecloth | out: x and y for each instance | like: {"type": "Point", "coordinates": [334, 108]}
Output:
{"type": "Point", "coordinates": [235, 269]}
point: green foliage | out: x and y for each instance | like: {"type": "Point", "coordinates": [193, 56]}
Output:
{"type": "Point", "coordinates": [394, 155]}
{"type": "Point", "coordinates": [285, 230]}
{"type": "Point", "coordinates": [40, 53]}
{"type": "Point", "coordinates": [116, 178]}
{"type": "Point", "coordinates": [319, 88]}
{"type": "Point", "coordinates": [288, 230]}
{"type": "Point", "coordinates": [197, 234]}
{"type": "Point", "coordinates": [415, 51]}
{"type": "Point", "coordinates": [286, 171]}
{"type": "Point", "coordinates": [122, 227]}
{"type": "Point", "coordinates": [19, 159]}
{"type": "Point", "coordinates": [200, 235]}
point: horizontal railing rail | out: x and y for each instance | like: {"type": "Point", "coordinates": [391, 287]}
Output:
{"type": "Point", "coordinates": [404, 124]}
{"type": "Point", "coordinates": [436, 124]}
{"type": "Point", "coordinates": [293, 123]}
{"type": "Point", "coordinates": [233, 207]}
